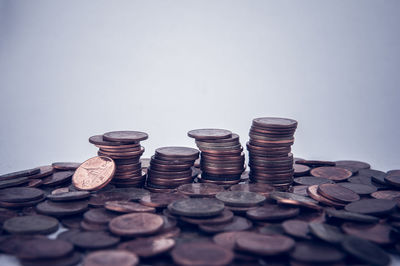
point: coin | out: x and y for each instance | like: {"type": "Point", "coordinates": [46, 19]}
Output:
{"type": "Point", "coordinates": [201, 253]}
{"type": "Point", "coordinates": [136, 224]}
{"type": "Point", "coordinates": [99, 216]}
{"type": "Point", "coordinates": [177, 153]}
{"type": "Point", "coordinates": [20, 194]}
{"type": "Point", "coordinates": [343, 215]}
{"type": "Point", "coordinates": [337, 193]}
{"type": "Point", "coordinates": [315, 163]}
{"type": "Point", "coordinates": [295, 200]}
{"type": "Point", "coordinates": [300, 170]}
{"type": "Point", "coordinates": [236, 224]}
{"type": "Point", "coordinates": [274, 122]}
{"type": "Point", "coordinates": [94, 240]}
{"type": "Point", "coordinates": [35, 224]}
{"type": "Point", "coordinates": [312, 191]}
{"type": "Point", "coordinates": [393, 180]}
{"type": "Point", "coordinates": [200, 189]}
{"type": "Point", "coordinates": [331, 172]}
{"type": "Point", "coordinates": [371, 206]}
{"type": "Point", "coordinates": [196, 207]}
{"type": "Point", "coordinates": [94, 173]}
{"type": "Point", "coordinates": [44, 248]}
{"type": "Point", "coordinates": [61, 208]}
{"type": "Point", "coordinates": [148, 247]}
{"type": "Point", "coordinates": [316, 253]}
{"type": "Point", "coordinates": [265, 245]}
{"type": "Point", "coordinates": [380, 234]}
{"type": "Point", "coordinates": [326, 232]}
{"type": "Point", "coordinates": [70, 259]}
{"type": "Point", "coordinates": [44, 171]}
{"type": "Point", "coordinates": [65, 166]}
{"type": "Point", "coordinates": [240, 198]}
{"type": "Point", "coordinates": [111, 258]}
{"type": "Point", "coordinates": [228, 239]}
{"type": "Point", "coordinates": [23, 173]}
{"type": "Point", "coordinates": [263, 189]}
{"type": "Point", "coordinates": [365, 251]}
{"type": "Point", "coordinates": [125, 136]}
{"type": "Point", "coordinates": [225, 217]}
{"type": "Point", "coordinates": [360, 189]}
{"type": "Point", "coordinates": [296, 228]}
{"type": "Point", "coordinates": [386, 194]}
{"type": "Point", "coordinates": [58, 178]}
{"type": "Point", "coordinates": [69, 196]}
{"type": "Point", "coordinates": [312, 180]}
{"type": "Point", "coordinates": [272, 212]}
{"type": "Point", "coordinates": [160, 200]}
{"type": "Point", "coordinates": [209, 134]}
{"type": "Point", "coordinates": [127, 207]}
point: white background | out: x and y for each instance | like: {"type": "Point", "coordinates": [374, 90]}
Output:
{"type": "Point", "coordinates": [72, 69]}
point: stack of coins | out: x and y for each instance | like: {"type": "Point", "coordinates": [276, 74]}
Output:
{"type": "Point", "coordinates": [269, 149]}
{"type": "Point", "coordinates": [170, 167]}
{"type": "Point", "coordinates": [222, 157]}
{"type": "Point", "coordinates": [125, 149]}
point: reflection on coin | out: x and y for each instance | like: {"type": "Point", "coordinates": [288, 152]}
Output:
{"type": "Point", "coordinates": [148, 247]}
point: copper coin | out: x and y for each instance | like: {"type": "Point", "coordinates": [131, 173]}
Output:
{"type": "Point", "coordinates": [366, 251]}
{"type": "Point", "coordinates": [196, 207]}
{"type": "Point", "coordinates": [386, 194]}
{"type": "Point", "coordinates": [316, 253]}
{"type": "Point", "coordinates": [332, 173]}
{"type": "Point", "coordinates": [236, 224]}
{"type": "Point", "coordinates": [361, 179]}
{"type": "Point", "coordinates": [371, 206]}
{"type": "Point", "coordinates": [99, 199]}
{"type": "Point", "coordinates": [45, 170]}
{"type": "Point", "coordinates": [70, 259]}
{"type": "Point", "coordinates": [33, 183]}
{"type": "Point", "coordinates": [393, 180]}
{"type": "Point", "coordinates": [98, 140]}
{"type": "Point", "coordinates": [177, 152]}
{"type": "Point", "coordinates": [158, 200]}
{"type": "Point", "coordinates": [315, 163]}
{"type": "Point", "coordinates": [88, 226]}
{"type": "Point", "coordinates": [69, 196]}
{"type": "Point", "coordinates": [360, 189]}
{"type": "Point", "coordinates": [111, 258]}
{"type": "Point", "coordinates": [209, 134]}
{"type": "Point", "coordinates": [58, 178]}
{"type": "Point", "coordinates": [127, 207]}
{"type": "Point", "coordinates": [72, 222]}
{"type": "Point", "coordinates": [240, 198]}
{"type": "Point", "coordinates": [125, 136]}
{"type": "Point", "coordinates": [32, 224]}
{"type": "Point", "coordinates": [14, 182]}
{"type": "Point", "coordinates": [296, 228]}
{"type": "Point", "coordinates": [228, 239]}
{"type": "Point", "coordinates": [312, 191]}
{"type": "Point", "coordinates": [380, 234]}
{"type": "Point", "coordinates": [99, 216]}
{"type": "Point", "coordinates": [148, 247]}
{"type": "Point", "coordinates": [65, 166]}
{"type": "Point", "coordinates": [200, 189]}
{"type": "Point", "coordinates": [312, 180]}
{"type": "Point", "coordinates": [136, 224]}
{"type": "Point", "coordinates": [263, 189]}
{"type": "Point", "coordinates": [94, 240]}
{"type": "Point", "coordinates": [300, 170]}
{"type": "Point", "coordinates": [6, 214]}
{"type": "Point", "coordinates": [326, 232]}
{"type": "Point", "coordinates": [20, 194]}
{"type": "Point", "coordinates": [23, 173]}
{"type": "Point", "coordinates": [295, 200]}
{"type": "Point", "coordinates": [201, 253]}
{"type": "Point", "coordinates": [11, 244]}
{"type": "Point", "coordinates": [337, 193]}
{"type": "Point", "coordinates": [225, 217]}
{"type": "Point", "coordinates": [44, 249]}
{"type": "Point", "coordinates": [343, 215]}
{"type": "Point", "coordinates": [274, 122]}
{"type": "Point", "coordinates": [61, 208]}
{"type": "Point", "coordinates": [265, 245]}
{"type": "Point", "coordinates": [94, 173]}
{"type": "Point", "coordinates": [272, 212]}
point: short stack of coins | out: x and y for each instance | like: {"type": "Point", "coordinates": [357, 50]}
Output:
{"type": "Point", "coordinates": [125, 149]}
{"type": "Point", "coordinates": [270, 157]}
{"type": "Point", "coordinates": [170, 167]}
{"type": "Point", "coordinates": [222, 157]}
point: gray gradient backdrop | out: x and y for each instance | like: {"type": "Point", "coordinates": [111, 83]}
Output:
{"type": "Point", "coordinates": [71, 69]}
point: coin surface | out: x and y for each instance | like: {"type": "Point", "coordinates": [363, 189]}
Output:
{"type": "Point", "coordinates": [365, 251]}
{"type": "Point", "coordinates": [240, 198]}
{"type": "Point", "coordinates": [31, 224]}
{"type": "Point", "coordinates": [338, 193]}
{"type": "Point", "coordinates": [332, 173]}
{"type": "Point", "coordinates": [160, 200]}
{"type": "Point", "coordinates": [136, 224]}
{"type": "Point", "coordinates": [360, 189]}
{"type": "Point", "coordinates": [275, 122]}
{"type": "Point", "coordinates": [111, 258]}
{"type": "Point", "coordinates": [200, 189]}
{"type": "Point", "coordinates": [209, 134]}
{"type": "Point", "coordinates": [350, 216]}
{"type": "Point", "coordinates": [125, 136]}
{"type": "Point", "coordinates": [61, 208]}
{"type": "Point", "coordinates": [65, 166]}
{"type": "Point", "coordinates": [312, 180]}
{"type": "Point", "coordinates": [272, 212]}
{"type": "Point", "coordinates": [23, 173]}
{"type": "Point", "coordinates": [69, 196]}
{"type": "Point", "coordinates": [236, 224]}
{"type": "Point", "coordinates": [316, 252]}
{"type": "Point", "coordinates": [201, 253]}
{"type": "Point", "coordinates": [196, 207]}
{"type": "Point", "coordinates": [99, 216]}
{"type": "Point", "coordinates": [265, 245]}
{"type": "Point", "coordinates": [44, 248]}
{"type": "Point", "coordinates": [380, 234]}
{"type": "Point", "coordinates": [148, 247]}
{"type": "Point", "coordinates": [372, 206]}
{"type": "Point", "coordinates": [94, 240]}
{"type": "Point", "coordinates": [127, 207]}
{"type": "Point", "coordinates": [94, 173]}
{"type": "Point", "coordinates": [297, 228]}
{"type": "Point", "coordinates": [57, 178]}
{"type": "Point", "coordinates": [326, 232]}
{"type": "Point", "coordinates": [20, 194]}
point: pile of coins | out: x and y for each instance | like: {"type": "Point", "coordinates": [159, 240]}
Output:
{"type": "Point", "coordinates": [170, 167]}
{"type": "Point", "coordinates": [270, 157]}
{"type": "Point", "coordinates": [222, 157]}
{"type": "Point", "coordinates": [125, 149]}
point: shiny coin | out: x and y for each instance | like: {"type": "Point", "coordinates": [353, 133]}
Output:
{"type": "Point", "coordinates": [332, 173]}
{"type": "Point", "coordinates": [148, 247]}
{"type": "Point", "coordinates": [136, 224]}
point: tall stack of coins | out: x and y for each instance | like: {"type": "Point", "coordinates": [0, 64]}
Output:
{"type": "Point", "coordinates": [125, 149]}
{"type": "Point", "coordinates": [269, 149]}
{"type": "Point", "coordinates": [170, 167]}
{"type": "Point", "coordinates": [222, 157]}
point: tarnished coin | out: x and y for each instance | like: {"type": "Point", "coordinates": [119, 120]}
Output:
{"type": "Point", "coordinates": [337, 193]}
{"type": "Point", "coordinates": [343, 215]}
{"type": "Point", "coordinates": [314, 252]}
{"type": "Point", "coordinates": [380, 234]}
{"type": "Point", "coordinates": [272, 212]}
{"type": "Point", "coordinates": [228, 239]}
{"type": "Point", "coordinates": [236, 224]}
{"type": "Point", "coordinates": [125, 136]}
{"type": "Point", "coordinates": [45, 170]}
{"type": "Point", "coordinates": [240, 198]}
{"type": "Point", "coordinates": [300, 169]}
{"type": "Point", "coordinates": [111, 258]}
{"type": "Point", "coordinates": [31, 224]}
{"type": "Point", "coordinates": [386, 194]}
{"type": "Point", "coordinates": [372, 206]}
{"type": "Point", "coordinates": [209, 134]}
{"type": "Point", "coordinates": [326, 232]}
{"type": "Point", "coordinates": [200, 189]}
{"type": "Point", "coordinates": [44, 249]}
{"type": "Point", "coordinates": [99, 216]}
{"type": "Point", "coordinates": [352, 165]}
{"type": "Point", "coordinates": [393, 180]}
{"type": "Point", "coordinates": [70, 259]}
{"type": "Point", "coordinates": [65, 166]}
{"type": "Point", "coordinates": [14, 182]}
{"type": "Point", "coordinates": [360, 189]}
{"type": "Point", "coordinates": [58, 178]}
{"type": "Point", "coordinates": [69, 196]}
{"type": "Point", "coordinates": [61, 208]}
{"type": "Point", "coordinates": [20, 194]}
{"type": "Point", "coordinates": [315, 163]}
{"type": "Point", "coordinates": [177, 152]}
{"type": "Point", "coordinates": [225, 217]}
{"type": "Point", "coordinates": [196, 207]}
{"type": "Point", "coordinates": [312, 180]}
{"type": "Point", "coordinates": [201, 253]}
{"type": "Point", "coordinates": [158, 200]}
{"type": "Point", "coordinates": [332, 173]}
{"type": "Point", "coordinates": [265, 245]}
{"type": "Point", "coordinates": [274, 122]}
{"type": "Point", "coordinates": [263, 189]}
{"type": "Point", "coordinates": [297, 229]}
{"type": "Point", "coordinates": [94, 173]}
{"type": "Point", "coordinates": [23, 173]}
{"type": "Point", "coordinates": [94, 240]}
{"type": "Point", "coordinates": [136, 224]}
{"type": "Point", "coordinates": [127, 207]}
{"type": "Point", "coordinates": [148, 247]}
{"type": "Point", "coordinates": [366, 251]}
